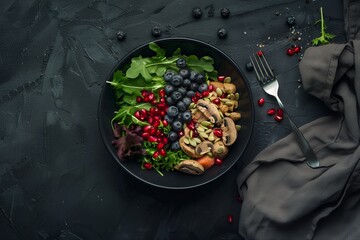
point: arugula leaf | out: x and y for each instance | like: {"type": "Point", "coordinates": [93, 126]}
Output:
{"type": "Point", "coordinates": [157, 49]}
{"type": "Point", "coordinates": [137, 67]}
{"type": "Point", "coordinates": [202, 64]}
{"type": "Point", "coordinates": [125, 115]}
{"type": "Point", "coordinates": [325, 37]}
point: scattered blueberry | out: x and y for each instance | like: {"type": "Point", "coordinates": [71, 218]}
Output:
{"type": "Point", "coordinates": [194, 86]}
{"type": "Point", "coordinates": [176, 80]}
{"type": "Point", "coordinates": [121, 35]}
{"type": "Point", "coordinates": [186, 116]}
{"type": "Point", "coordinates": [193, 76]}
{"type": "Point", "coordinates": [249, 66]}
{"type": "Point", "coordinates": [190, 93]}
{"type": "Point", "coordinates": [187, 101]}
{"type": "Point", "coordinates": [203, 87]}
{"type": "Point", "coordinates": [184, 73]}
{"type": "Point", "coordinates": [172, 111]}
{"type": "Point", "coordinates": [181, 63]}
{"type": "Point", "coordinates": [200, 78]}
{"type": "Point", "coordinates": [186, 83]}
{"type": "Point", "coordinates": [176, 126]}
{"type": "Point", "coordinates": [196, 12]}
{"type": "Point", "coordinates": [169, 119]}
{"type": "Point", "coordinates": [169, 89]}
{"type": "Point", "coordinates": [181, 106]}
{"type": "Point", "coordinates": [173, 136]}
{"type": "Point", "coordinates": [168, 75]}
{"type": "Point", "coordinates": [156, 31]}
{"type": "Point", "coordinates": [291, 21]}
{"type": "Point", "coordinates": [222, 33]}
{"type": "Point", "coordinates": [225, 12]}
{"type": "Point", "coordinates": [176, 96]}
{"type": "Point", "coordinates": [169, 101]}
{"type": "Point", "coordinates": [175, 146]}
{"type": "Point", "coordinates": [182, 91]}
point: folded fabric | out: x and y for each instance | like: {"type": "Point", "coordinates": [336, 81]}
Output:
{"type": "Point", "coordinates": [283, 198]}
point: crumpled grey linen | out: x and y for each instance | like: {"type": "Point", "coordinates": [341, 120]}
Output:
{"type": "Point", "coordinates": [283, 198]}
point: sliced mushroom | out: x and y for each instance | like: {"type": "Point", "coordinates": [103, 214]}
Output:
{"type": "Point", "coordinates": [198, 117]}
{"type": "Point", "coordinates": [229, 131]}
{"type": "Point", "coordinates": [229, 88]}
{"type": "Point", "coordinates": [204, 147]}
{"type": "Point", "coordinates": [217, 84]}
{"type": "Point", "coordinates": [210, 111]}
{"type": "Point", "coordinates": [220, 150]}
{"type": "Point", "coordinates": [188, 149]}
{"type": "Point", "coordinates": [190, 167]}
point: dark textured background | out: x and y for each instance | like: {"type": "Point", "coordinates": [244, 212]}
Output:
{"type": "Point", "coordinates": [57, 181]}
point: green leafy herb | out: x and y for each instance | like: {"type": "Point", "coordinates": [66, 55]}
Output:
{"type": "Point", "coordinates": [125, 115]}
{"type": "Point", "coordinates": [325, 37]}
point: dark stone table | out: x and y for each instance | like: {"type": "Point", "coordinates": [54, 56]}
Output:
{"type": "Point", "coordinates": [57, 180]}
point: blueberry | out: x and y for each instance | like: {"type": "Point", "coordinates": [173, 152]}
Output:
{"type": "Point", "coordinates": [173, 136]}
{"type": "Point", "coordinates": [177, 126]}
{"type": "Point", "coordinates": [182, 91]}
{"type": "Point", "coordinates": [190, 93]}
{"type": "Point", "coordinates": [175, 146]}
{"type": "Point", "coordinates": [186, 116]}
{"type": "Point", "coordinates": [249, 66]}
{"type": "Point", "coordinates": [169, 89]}
{"type": "Point", "coordinates": [176, 80]}
{"type": "Point", "coordinates": [168, 75]}
{"type": "Point", "coordinates": [169, 119]}
{"type": "Point", "coordinates": [200, 78]}
{"type": "Point", "coordinates": [291, 21]}
{"type": "Point", "coordinates": [156, 32]}
{"type": "Point", "coordinates": [186, 83]}
{"type": "Point", "coordinates": [187, 101]}
{"type": "Point", "coordinates": [225, 12]}
{"type": "Point", "coordinates": [222, 33]}
{"type": "Point", "coordinates": [193, 75]}
{"type": "Point", "coordinates": [181, 106]}
{"type": "Point", "coordinates": [121, 35]}
{"type": "Point", "coordinates": [172, 111]}
{"type": "Point", "coordinates": [203, 87]}
{"type": "Point", "coordinates": [194, 87]}
{"type": "Point", "coordinates": [196, 12]}
{"type": "Point", "coordinates": [176, 96]}
{"type": "Point", "coordinates": [181, 63]}
{"type": "Point", "coordinates": [184, 73]}
{"type": "Point", "coordinates": [169, 101]}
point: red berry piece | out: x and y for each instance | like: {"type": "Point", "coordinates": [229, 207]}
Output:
{"type": "Point", "coordinates": [218, 161]}
{"type": "Point", "coordinates": [139, 99]}
{"type": "Point", "coordinates": [155, 154]}
{"type": "Point", "coordinates": [221, 78]}
{"type": "Point", "coordinates": [216, 101]}
{"type": "Point", "coordinates": [271, 111]}
{"type": "Point", "coordinates": [211, 88]}
{"type": "Point", "coordinates": [278, 118]}
{"type": "Point", "coordinates": [162, 152]}
{"type": "Point", "coordinates": [260, 53]}
{"type": "Point", "coordinates": [218, 132]}
{"type": "Point", "coordinates": [147, 128]}
{"type": "Point", "coordinates": [164, 122]}
{"type": "Point", "coordinates": [165, 140]}
{"type": "Point", "coordinates": [280, 112]}
{"type": "Point", "coordinates": [261, 102]}
{"type": "Point", "coordinates": [144, 93]}
{"type": "Point", "coordinates": [230, 218]}
{"type": "Point", "coordinates": [147, 165]}
{"type": "Point", "coordinates": [152, 139]}
{"type": "Point", "coordinates": [160, 145]}
{"type": "Point", "coordinates": [290, 51]}
{"type": "Point", "coordinates": [297, 49]}
{"type": "Point", "coordinates": [162, 93]}
{"type": "Point", "coordinates": [145, 135]}
{"type": "Point", "coordinates": [205, 93]}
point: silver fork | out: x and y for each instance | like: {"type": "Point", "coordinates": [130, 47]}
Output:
{"type": "Point", "coordinates": [269, 83]}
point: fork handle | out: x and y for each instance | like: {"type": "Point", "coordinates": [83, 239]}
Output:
{"type": "Point", "coordinates": [312, 160]}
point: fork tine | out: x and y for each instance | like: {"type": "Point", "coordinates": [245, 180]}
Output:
{"type": "Point", "coordinates": [266, 74]}
{"type": "Point", "coordinates": [257, 74]}
{"type": "Point", "coordinates": [257, 66]}
{"type": "Point", "coordinates": [269, 68]}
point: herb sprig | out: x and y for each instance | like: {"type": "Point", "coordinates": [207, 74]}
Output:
{"type": "Point", "coordinates": [325, 37]}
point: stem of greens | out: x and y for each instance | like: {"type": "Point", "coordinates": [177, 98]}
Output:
{"type": "Point", "coordinates": [322, 21]}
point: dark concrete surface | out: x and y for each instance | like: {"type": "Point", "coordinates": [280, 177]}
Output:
{"type": "Point", "coordinates": [57, 181]}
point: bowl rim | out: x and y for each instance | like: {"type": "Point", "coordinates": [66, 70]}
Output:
{"type": "Point", "coordinates": [145, 44]}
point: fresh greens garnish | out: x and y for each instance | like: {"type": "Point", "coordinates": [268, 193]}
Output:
{"type": "Point", "coordinates": [325, 37]}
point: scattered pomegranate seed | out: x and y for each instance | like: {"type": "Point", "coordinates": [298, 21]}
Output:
{"type": "Point", "coordinates": [297, 49]}
{"type": "Point", "coordinates": [137, 114]}
{"type": "Point", "coordinates": [156, 123]}
{"type": "Point", "coordinates": [290, 51]}
{"type": "Point", "coordinates": [211, 88]}
{"type": "Point", "coordinates": [198, 95]}
{"type": "Point", "coordinates": [152, 110]}
{"type": "Point", "coordinates": [230, 218]}
{"type": "Point", "coordinates": [146, 99]}
{"type": "Point", "coordinates": [152, 139]}
{"type": "Point", "coordinates": [150, 120]}
{"type": "Point", "coordinates": [152, 131]}
{"type": "Point", "coordinates": [194, 99]}
{"type": "Point", "coordinates": [162, 152]}
{"type": "Point", "coordinates": [261, 102]}
{"type": "Point", "coordinates": [160, 145]}
{"type": "Point", "coordinates": [218, 161]}
{"type": "Point", "coordinates": [145, 135]}
{"type": "Point", "coordinates": [157, 118]}
{"type": "Point", "coordinates": [155, 154]}
{"type": "Point", "coordinates": [260, 53]}
{"type": "Point", "coordinates": [151, 96]}
{"type": "Point", "coordinates": [153, 102]}
{"type": "Point", "coordinates": [216, 101]}
{"type": "Point", "coordinates": [164, 122]}
{"type": "Point", "coordinates": [143, 112]}
{"type": "Point", "coordinates": [191, 125]}
{"type": "Point", "coordinates": [146, 128]}
{"type": "Point", "coordinates": [205, 93]}
{"type": "Point", "coordinates": [280, 112]}
{"type": "Point", "coordinates": [162, 100]}
{"type": "Point", "coordinates": [139, 99]}
{"type": "Point", "coordinates": [165, 140]}
{"type": "Point", "coordinates": [217, 132]}
{"type": "Point", "coordinates": [278, 118]}
{"type": "Point", "coordinates": [271, 111]}
{"type": "Point", "coordinates": [161, 106]}
{"type": "Point", "coordinates": [144, 93]}
{"type": "Point", "coordinates": [162, 93]}
{"type": "Point", "coordinates": [147, 165]}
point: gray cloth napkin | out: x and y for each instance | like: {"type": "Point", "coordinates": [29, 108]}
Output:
{"type": "Point", "coordinates": [283, 198]}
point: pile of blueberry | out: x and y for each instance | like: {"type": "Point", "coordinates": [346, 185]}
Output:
{"type": "Point", "coordinates": [181, 89]}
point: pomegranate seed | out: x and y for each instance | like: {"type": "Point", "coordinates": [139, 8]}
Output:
{"type": "Point", "coordinates": [205, 93]}
{"type": "Point", "coordinates": [230, 218]}
{"type": "Point", "coordinates": [142, 118]}
{"type": "Point", "coordinates": [162, 106]}
{"type": "Point", "coordinates": [260, 53]}
{"type": "Point", "coordinates": [145, 135]}
{"type": "Point", "coordinates": [191, 126]}
{"type": "Point", "coordinates": [162, 93]}
{"type": "Point", "coordinates": [146, 128]}
{"type": "Point", "coordinates": [162, 100]}
{"type": "Point", "coordinates": [137, 114]}
{"type": "Point", "coordinates": [278, 118]}
{"type": "Point", "coordinates": [143, 112]}
{"type": "Point", "coordinates": [152, 139]}
{"type": "Point", "coordinates": [194, 99]}
{"type": "Point", "coordinates": [290, 51]}
{"type": "Point", "coordinates": [156, 123]}
{"type": "Point", "coordinates": [162, 113]}
{"type": "Point", "coordinates": [165, 140]}
{"type": "Point", "coordinates": [195, 134]}
{"type": "Point", "coordinates": [151, 96]}
{"type": "Point", "coordinates": [165, 123]}
{"type": "Point", "coordinates": [155, 154]}
{"type": "Point", "coordinates": [152, 110]}
{"type": "Point", "coordinates": [154, 102]}
{"type": "Point", "coordinates": [217, 132]}
{"type": "Point", "coordinates": [211, 88]}
{"type": "Point", "coordinates": [160, 145]}
{"type": "Point", "coordinates": [144, 93]}
{"type": "Point", "coordinates": [147, 165]}
{"type": "Point", "coordinates": [162, 135]}
{"type": "Point", "coordinates": [152, 131]}
{"type": "Point", "coordinates": [150, 120]}
{"type": "Point", "coordinates": [297, 49]}
{"type": "Point", "coordinates": [139, 99]}
{"type": "Point", "coordinates": [162, 152]}
{"type": "Point", "coordinates": [216, 101]}
{"type": "Point", "coordinates": [221, 78]}
{"type": "Point", "coordinates": [198, 95]}
{"type": "Point", "coordinates": [261, 101]}
{"type": "Point", "coordinates": [158, 133]}
{"type": "Point", "coordinates": [280, 112]}
{"type": "Point", "coordinates": [181, 133]}
{"type": "Point", "coordinates": [223, 95]}
{"type": "Point", "coordinates": [218, 161]}
{"type": "Point", "coordinates": [157, 117]}
{"type": "Point", "coordinates": [146, 99]}
{"type": "Point", "coordinates": [271, 111]}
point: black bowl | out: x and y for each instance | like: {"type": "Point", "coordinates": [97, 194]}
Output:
{"type": "Point", "coordinates": [174, 179]}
